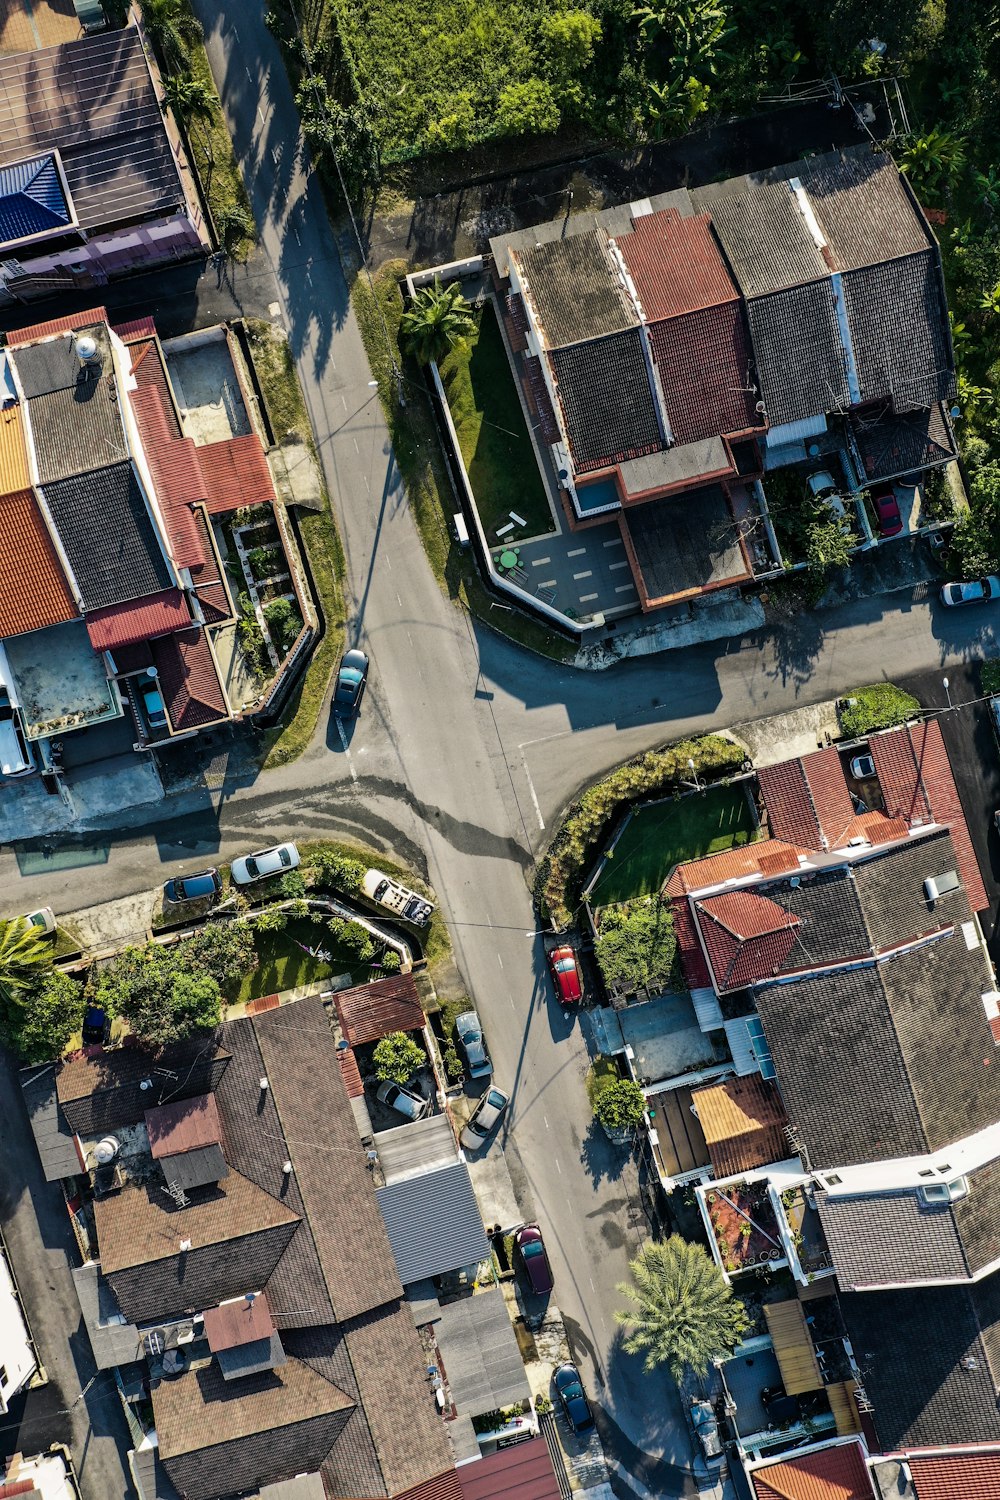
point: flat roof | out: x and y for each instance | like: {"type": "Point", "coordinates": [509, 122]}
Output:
{"type": "Point", "coordinates": [685, 542]}
{"type": "Point", "coordinates": [61, 681]}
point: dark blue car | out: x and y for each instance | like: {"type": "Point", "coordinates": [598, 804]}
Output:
{"type": "Point", "coordinates": [193, 887]}
{"type": "Point", "coordinates": [350, 689]}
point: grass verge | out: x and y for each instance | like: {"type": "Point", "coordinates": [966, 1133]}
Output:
{"type": "Point", "coordinates": [662, 834]}
{"type": "Point", "coordinates": [287, 414]}
{"type": "Point", "coordinates": [417, 447]}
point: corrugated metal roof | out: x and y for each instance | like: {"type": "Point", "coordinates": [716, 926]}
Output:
{"type": "Point", "coordinates": [127, 624]}
{"type": "Point", "coordinates": [434, 1223]}
{"type": "Point", "coordinates": [14, 473]}
{"type": "Point", "coordinates": [34, 592]}
{"type": "Point", "coordinates": [54, 1140]}
{"type": "Point", "coordinates": [521, 1472]}
{"type": "Point", "coordinates": [743, 1122]}
{"type": "Point", "coordinates": [419, 1146]}
{"type": "Point", "coordinates": [183, 1125]}
{"type": "Point", "coordinates": [480, 1353]}
{"type": "Point", "coordinates": [675, 264]}
{"type": "Point", "coordinates": [135, 330]}
{"type": "Point", "coordinates": [370, 1011]}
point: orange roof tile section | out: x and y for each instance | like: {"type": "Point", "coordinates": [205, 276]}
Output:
{"type": "Point", "coordinates": [830, 1474]}
{"type": "Point", "coordinates": [14, 473]}
{"type": "Point", "coordinates": [675, 264]}
{"type": "Point", "coordinates": [743, 1123]}
{"type": "Point", "coordinates": [733, 864]}
{"type": "Point", "coordinates": [236, 474]}
{"type": "Point", "coordinates": [956, 1476]}
{"type": "Point", "coordinates": [34, 592]}
{"type": "Point", "coordinates": [943, 800]}
{"type": "Point", "coordinates": [36, 331]}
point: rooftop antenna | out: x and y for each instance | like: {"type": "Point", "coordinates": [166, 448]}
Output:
{"type": "Point", "coordinates": [185, 1245]}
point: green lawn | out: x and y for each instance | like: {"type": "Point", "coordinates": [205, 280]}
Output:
{"type": "Point", "coordinates": [491, 431]}
{"type": "Point", "coordinates": [663, 834]}
{"type": "Point", "coordinates": [283, 965]}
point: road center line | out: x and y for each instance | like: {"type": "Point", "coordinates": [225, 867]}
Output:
{"type": "Point", "coordinates": [347, 749]}
{"type": "Point", "coordinates": [499, 960]}
{"type": "Point", "coordinates": [558, 1167]}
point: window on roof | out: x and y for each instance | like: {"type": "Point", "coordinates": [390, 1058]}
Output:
{"type": "Point", "coordinates": [833, 1180]}
{"type": "Point", "coordinates": [927, 1172]}
{"type": "Point", "coordinates": [938, 1193]}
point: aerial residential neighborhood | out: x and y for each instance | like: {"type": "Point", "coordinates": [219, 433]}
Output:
{"type": "Point", "coordinates": [499, 751]}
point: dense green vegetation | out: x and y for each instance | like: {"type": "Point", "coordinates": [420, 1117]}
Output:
{"type": "Point", "coordinates": [620, 1105]}
{"type": "Point", "coordinates": [636, 947]}
{"type": "Point", "coordinates": [877, 707]}
{"type": "Point", "coordinates": [680, 1311]}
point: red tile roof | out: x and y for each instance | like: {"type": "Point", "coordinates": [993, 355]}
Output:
{"type": "Point", "coordinates": [370, 1011]}
{"type": "Point", "coordinates": [838, 1473]}
{"type": "Point", "coordinates": [34, 592]}
{"type": "Point", "coordinates": [18, 1487]}
{"type": "Point", "coordinates": [184, 1125]}
{"type": "Point", "coordinates": [133, 658]}
{"type": "Point", "coordinates": [135, 330]}
{"type": "Point", "coordinates": [236, 473]}
{"type": "Point", "coordinates": [522, 1472]}
{"type": "Point", "coordinates": [177, 476]}
{"type": "Point", "coordinates": [747, 936]}
{"type": "Point", "coordinates": [189, 682]}
{"type": "Point", "coordinates": [743, 1121]}
{"type": "Point", "coordinates": [127, 624]}
{"type": "Point", "coordinates": [350, 1073]}
{"type": "Point", "coordinates": [696, 971]}
{"type": "Point", "coordinates": [899, 776]}
{"type": "Point", "coordinates": [956, 1476]}
{"type": "Point", "coordinates": [703, 361]}
{"type": "Point", "coordinates": [238, 1322]}
{"type": "Point", "coordinates": [263, 1002]}
{"type": "Point", "coordinates": [150, 374]}
{"type": "Point", "coordinates": [675, 264]}
{"type": "Point", "coordinates": [808, 800]}
{"type": "Point", "coordinates": [731, 864]}
{"type": "Point", "coordinates": [36, 331]}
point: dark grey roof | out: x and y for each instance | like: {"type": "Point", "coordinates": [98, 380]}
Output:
{"type": "Point", "coordinates": [890, 889]}
{"type": "Point", "coordinates": [113, 1343]}
{"type": "Point", "coordinates": [108, 536]}
{"type": "Point", "coordinates": [925, 1356]}
{"type": "Point", "coordinates": [352, 1468]}
{"type": "Point", "coordinates": [897, 321]}
{"type": "Point", "coordinates": [54, 364]}
{"type": "Point", "coordinates": [682, 464]}
{"type": "Point", "coordinates": [607, 400]}
{"type": "Point", "coordinates": [617, 220]}
{"type": "Point", "coordinates": [53, 1137]}
{"type": "Point", "coordinates": [891, 446]}
{"type": "Point", "coordinates": [799, 354]}
{"type": "Point", "coordinates": [98, 1092]}
{"type": "Point", "coordinates": [76, 429]}
{"type": "Point", "coordinates": [192, 1169]}
{"type": "Point", "coordinates": [434, 1222]}
{"type": "Point", "coordinates": [864, 208]}
{"type": "Point", "coordinates": [685, 541]}
{"type": "Point", "coordinates": [766, 239]}
{"type": "Point", "coordinates": [480, 1353]}
{"type": "Point", "coordinates": [422, 1300]}
{"type": "Point", "coordinates": [151, 1479]}
{"type": "Point", "coordinates": [94, 100]}
{"type": "Point", "coordinates": [252, 1358]}
{"type": "Point", "coordinates": [576, 289]}
{"type": "Point", "coordinates": [832, 927]}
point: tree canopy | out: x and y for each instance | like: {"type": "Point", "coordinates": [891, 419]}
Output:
{"type": "Point", "coordinates": [681, 1311]}
{"type": "Point", "coordinates": [397, 1057]}
{"type": "Point", "coordinates": [438, 318]}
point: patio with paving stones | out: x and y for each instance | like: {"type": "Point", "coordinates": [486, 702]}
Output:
{"type": "Point", "coordinates": [580, 573]}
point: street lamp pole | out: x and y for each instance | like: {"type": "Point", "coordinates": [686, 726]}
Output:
{"type": "Point", "coordinates": [947, 687]}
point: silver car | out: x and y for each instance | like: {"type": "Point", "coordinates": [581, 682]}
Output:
{"type": "Point", "coordinates": [473, 1046]}
{"type": "Point", "coordinates": [264, 863]}
{"type": "Point", "coordinates": [406, 1101]}
{"type": "Point", "coordinates": [485, 1118]}
{"type": "Point", "coordinates": [974, 591]}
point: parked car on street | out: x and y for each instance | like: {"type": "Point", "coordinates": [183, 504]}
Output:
{"type": "Point", "coordinates": [264, 863]}
{"type": "Point", "coordinates": [472, 1045]}
{"type": "Point", "coordinates": [485, 1117]}
{"type": "Point", "coordinates": [568, 1384]}
{"type": "Point", "coordinates": [890, 522]}
{"type": "Point", "coordinates": [193, 887]}
{"type": "Point", "coordinates": [566, 975]}
{"type": "Point", "coordinates": [352, 677]}
{"type": "Point", "coordinates": [389, 893]}
{"type": "Point", "coordinates": [407, 1101]}
{"type": "Point", "coordinates": [862, 767]}
{"type": "Point", "coordinates": [531, 1248]}
{"type": "Point", "coordinates": [44, 919]}
{"type": "Point", "coordinates": [974, 591]}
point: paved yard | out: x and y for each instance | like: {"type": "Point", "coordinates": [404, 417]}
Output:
{"type": "Point", "coordinates": [579, 572]}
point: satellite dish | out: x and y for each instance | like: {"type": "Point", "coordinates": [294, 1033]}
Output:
{"type": "Point", "coordinates": [174, 1362]}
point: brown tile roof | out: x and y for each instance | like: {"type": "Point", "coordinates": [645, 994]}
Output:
{"type": "Point", "coordinates": [67, 324]}
{"type": "Point", "coordinates": [201, 1409]}
{"type": "Point", "coordinates": [124, 1067]}
{"type": "Point", "coordinates": [391, 1372]}
{"type": "Point", "coordinates": [703, 361]}
{"type": "Point", "coordinates": [675, 264]}
{"type": "Point", "coordinates": [189, 682]}
{"type": "Point", "coordinates": [808, 800]}
{"type": "Point", "coordinates": [351, 1074]}
{"type": "Point", "coordinates": [296, 1043]}
{"type": "Point", "coordinates": [14, 474]}
{"type": "Point", "coordinates": [838, 1473]}
{"type": "Point", "coordinates": [184, 1125]}
{"type": "Point", "coordinates": [522, 1472]}
{"type": "Point", "coordinates": [747, 936]}
{"type": "Point", "coordinates": [242, 1321]}
{"type": "Point", "coordinates": [139, 620]}
{"type": "Point", "coordinates": [43, 23]}
{"type": "Point", "coordinates": [576, 289]}
{"type": "Point", "coordinates": [177, 476]}
{"type": "Point", "coordinates": [732, 864]}
{"type": "Point", "coordinates": [370, 1011]}
{"type": "Point", "coordinates": [945, 805]}
{"type": "Point", "coordinates": [743, 1122]}
{"type": "Point", "coordinates": [141, 1224]}
{"type": "Point", "coordinates": [136, 330]}
{"type": "Point", "coordinates": [34, 592]}
{"type": "Point", "coordinates": [899, 776]}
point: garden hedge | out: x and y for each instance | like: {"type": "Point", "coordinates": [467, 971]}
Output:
{"type": "Point", "coordinates": [880, 706]}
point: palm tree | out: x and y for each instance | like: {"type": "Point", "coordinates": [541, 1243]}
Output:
{"type": "Point", "coordinates": [189, 96]}
{"type": "Point", "coordinates": [171, 26]}
{"type": "Point", "coordinates": [438, 319]}
{"type": "Point", "coordinates": [682, 1311]}
{"type": "Point", "coordinates": [24, 957]}
{"type": "Point", "coordinates": [933, 160]}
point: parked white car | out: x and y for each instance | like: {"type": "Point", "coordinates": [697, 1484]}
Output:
{"type": "Point", "coordinates": [407, 1101]}
{"type": "Point", "coordinates": [44, 919]}
{"type": "Point", "coordinates": [974, 591]}
{"type": "Point", "coordinates": [397, 898]}
{"type": "Point", "coordinates": [264, 863]}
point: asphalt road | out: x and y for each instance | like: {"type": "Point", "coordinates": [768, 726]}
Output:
{"type": "Point", "coordinates": [465, 749]}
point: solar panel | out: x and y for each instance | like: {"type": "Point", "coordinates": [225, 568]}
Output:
{"type": "Point", "coordinates": [761, 1050]}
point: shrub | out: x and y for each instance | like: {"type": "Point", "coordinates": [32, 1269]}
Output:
{"type": "Point", "coordinates": [223, 949]}
{"type": "Point", "coordinates": [391, 961]}
{"type": "Point", "coordinates": [338, 872]}
{"type": "Point", "coordinates": [452, 1064]}
{"type": "Point", "coordinates": [636, 946]}
{"type": "Point", "coordinates": [990, 676]}
{"type": "Point", "coordinates": [284, 623]}
{"type": "Point", "coordinates": [527, 108]}
{"type": "Point", "coordinates": [877, 707]}
{"type": "Point", "coordinates": [271, 919]}
{"type": "Point", "coordinates": [292, 884]}
{"type": "Point", "coordinates": [42, 1028]}
{"type": "Point", "coordinates": [620, 1105]}
{"type": "Point", "coordinates": [397, 1057]}
{"type": "Point", "coordinates": [560, 871]}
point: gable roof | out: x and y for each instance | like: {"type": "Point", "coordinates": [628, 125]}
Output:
{"type": "Point", "coordinates": [126, 624]}
{"type": "Point", "coordinates": [837, 1473]}
{"type": "Point", "coordinates": [703, 361]}
{"type": "Point", "coordinates": [743, 1121]}
{"type": "Point", "coordinates": [807, 800]}
{"type": "Point", "coordinates": [34, 592]}
{"type": "Point", "coordinates": [895, 312]}
{"type": "Point", "coordinates": [76, 427]}
{"type": "Point", "coordinates": [102, 1088]}
{"type": "Point", "coordinates": [368, 1012]}
{"type": "Point", "coordinates": [183, 1125]}
{"type": "Point", "coordinates": [434, 1222]}
{"type": "Point", "coordinates": [32, 200]}
{"type": "Point", "coordinates": [865, 211]}
{"type": "Point", "coordinates": [895, 445]}
{"type": "Point", "coordinates": [955, 1476]}
{"type": "Point", "coordinates": [765, 238]}
{"type": "Point", "coordinates": [607, 400]}
{"type": "Point", "coordinates": [576, 289]}
{"type": "Point", "coordinates": [675, 264]}
{"type": "Point", "coordinates": [189, 679]}
{"type": "Point", "coordinates": [522, 1472]}
{"type": "Point", "coordinates": [800, 356]}
{"type": "Point", "coordinates": [108, 535]}
{"type": "Point", "coordinates": [747, 935]}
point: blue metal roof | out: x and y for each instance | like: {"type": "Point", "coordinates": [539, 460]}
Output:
{"type": "Point", "coordinates": [32, 199]}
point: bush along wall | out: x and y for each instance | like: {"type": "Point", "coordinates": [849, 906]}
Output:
{"type": "Point", "coordinates": [560, 871]}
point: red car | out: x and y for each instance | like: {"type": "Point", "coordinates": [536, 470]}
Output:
{"type": "Point", "coordinates": [566, 976]}
{"type": "Point", "coordinates": [890, 522]}
{"type": "Point", "coordinates": [534, 1259]}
